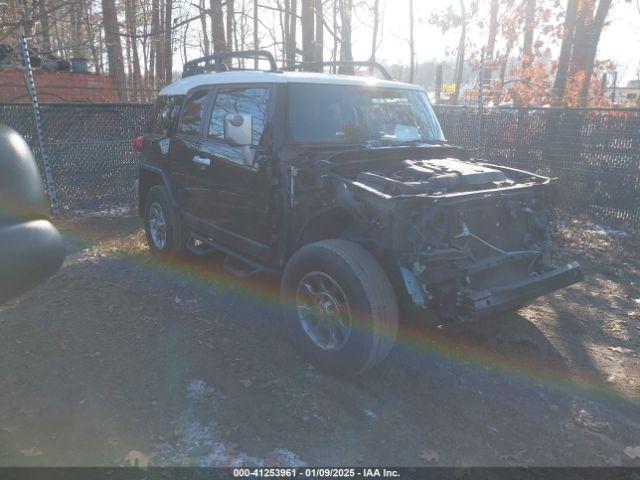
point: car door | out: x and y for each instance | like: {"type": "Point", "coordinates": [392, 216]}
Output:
{"type": "Point", "coordinates": [184, 169]}
{"type": "Point", "coordinates": [236, 205]}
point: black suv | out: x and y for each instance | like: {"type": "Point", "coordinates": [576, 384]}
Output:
{"type": "Point", "coordinates": [346, 186]}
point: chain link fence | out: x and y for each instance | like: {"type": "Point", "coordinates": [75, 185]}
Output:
{"type": "Point", "coordinates": [595, 153]}
{"type": "Point", "coordinates": [90, 149]}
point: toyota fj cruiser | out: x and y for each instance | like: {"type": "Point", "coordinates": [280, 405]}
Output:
{"type": "Point", "coordinates": [347, 187]}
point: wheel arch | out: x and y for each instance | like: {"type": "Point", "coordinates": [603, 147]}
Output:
{"type": "Point", "coordinates": [328, 224]}
{"type": "Point", "coordinates": [148, 177]}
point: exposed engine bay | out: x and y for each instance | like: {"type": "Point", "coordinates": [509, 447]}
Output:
{"type": "Point", "coordinates": [467, 237]}
{"type": "Point", "coordinates": [434, 177]}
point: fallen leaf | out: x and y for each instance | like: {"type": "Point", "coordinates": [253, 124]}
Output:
{"type": "Point", "coordinates": [31, 452]}
{"type": "Point", "coordinates": [632, 452]}
{"type": "Point", "coordinates": [137, 459]}
{"type": "Point", "coordinates": [430, 456]}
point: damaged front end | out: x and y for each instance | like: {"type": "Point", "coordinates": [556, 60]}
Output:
{"type": "Point", "coordinates": [481, 254]}
{"type": "Point", "coordinates": [470, 239]}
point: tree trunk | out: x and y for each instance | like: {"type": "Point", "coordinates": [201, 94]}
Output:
{"type": "Point", "coordinates": [160, 68]}
{"type": "Point", "coordinates": [334, 51]}
{"type": "Point", "coordinates": [592, 39]}
{"type": "Point", "coordinates": [503, 70]}
{"type": "Point", "coordinates": [412, 45]}
{"type": "Point", "coordinates": [376, 27]}
{"type": "Point", "coordinates": [153, 47]}
{"type": "Point", "coordinates": [256, 37]}
{"type": "Point", "coordinates": [493, 28]}
{"type": "Point", "coordinates": [45, 36]}
{"type": "Point", "coordinates": [168, 42]}
{"type": "Point", "coordinates": [77, 43]}
{"type": "Point", "coordinates": [319, 55]}
{"type": "Point", "coordinates": [346, 55]}
{"type": "Point", "coordinates": [217, 27]}
{"type": "Point", "coordinates": [291, 44]}
{"type": "Point", "coordinates": [461, 52]}
{"type": "Point", "coordinates": [112, 41]}
{"type": "Point", "coordinates": [564, 60]}
{"type": "Point", "coordinates": [230, 23]}
{"type": "Point", "coordinates": [203, 28]}
{"type": "Point", "coordinates": [91, 37]}
{"type": "Point", "coordinates": [527, 45]}
{"type": "Point", "coordinates": [130, 19]}
{"type": "Point", "coordinates": [308, 31]}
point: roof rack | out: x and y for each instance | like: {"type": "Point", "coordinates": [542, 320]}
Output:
{"type": "Point", "coordinates": [318, 65]}
{"type": "Point", "coordinates": [193, 67]}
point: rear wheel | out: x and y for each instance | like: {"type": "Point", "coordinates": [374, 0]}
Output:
{"type": "Point", "coordinates": [165, 233]}
{"type": "Point", "coordinates": [339, 307]}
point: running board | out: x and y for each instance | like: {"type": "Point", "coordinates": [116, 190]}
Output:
{"type": "Point", "coordinates": [207, 246]}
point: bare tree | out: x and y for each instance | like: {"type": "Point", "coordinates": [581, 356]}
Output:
{"type": "Point", "coordinates": [308, 31]}
{"type": "Point", "coordinates": [461, 53]}
{"type": "Point", "coordinates": [230, 23]}
{"type": "Point", "coordinates": [45, 37]}
{"type": "Point", "coordinates": [376, 27]}
{"type": "Point", "coordinates": [217, 27]}
{"type": "Point", "coordinates": [155, 44]}
{"type": "Point", "coordinates": [412, 45]}
{"type": "Point", "coordinates": [203, 28]}
{"type": "Point", "coordinates": [168, 42]}
{"type": "Point", "coordinates": [319, 12]}
{"type": "Point", "coordinates": [346, 54]}
{"type": "Point", "coordinates": [291, 41]}
{"type": "Point", "coordinates": [493, 28]}
{"type": "Point", "coordinates": [256, 35]}
{"type": "Point", "coordinates": [529, 26]}
{"type": "Point", "coordinates": [114, 49]}
{"type": "Point", "coordinates": [130, 21]}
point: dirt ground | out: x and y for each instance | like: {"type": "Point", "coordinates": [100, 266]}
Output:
{"type": "Point", "coordinates": [119, 359]}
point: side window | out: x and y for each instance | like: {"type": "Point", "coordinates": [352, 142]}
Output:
{"type": "Point", "coordinates": [163, 115]}
{"type": "Point", "coordinates": [252, 100]}
{"type": "Point", "coordinates": [192, 113]}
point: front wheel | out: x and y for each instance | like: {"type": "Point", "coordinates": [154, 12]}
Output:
{"type": "Point", "coordinates": [339, 307]}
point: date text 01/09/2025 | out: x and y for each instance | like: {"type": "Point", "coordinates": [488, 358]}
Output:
{"type": "Point", "coordinates": [315, 472]}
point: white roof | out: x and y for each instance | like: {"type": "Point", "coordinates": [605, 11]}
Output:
{"type": "Point", "coordinates": [252, 76]}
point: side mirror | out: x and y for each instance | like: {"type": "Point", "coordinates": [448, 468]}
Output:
{"type": "Point", "coordinates": [238, 129]}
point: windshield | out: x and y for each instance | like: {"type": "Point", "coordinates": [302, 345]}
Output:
{"type": "Point", "coordinates": [334, 114]}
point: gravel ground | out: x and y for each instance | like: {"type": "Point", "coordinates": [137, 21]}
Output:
{"type": "Point", "coordinates": [120, 360]}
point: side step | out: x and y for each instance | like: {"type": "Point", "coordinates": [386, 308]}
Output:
{"type": "Point", "coordinates": [206, 246]}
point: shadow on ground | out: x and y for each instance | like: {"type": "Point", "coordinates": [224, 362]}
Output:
{"type": "Point", "coordinates": [183, 365]}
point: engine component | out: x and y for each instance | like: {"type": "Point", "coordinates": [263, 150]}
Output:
{"type": "Point", "coordinates": [433, 177]}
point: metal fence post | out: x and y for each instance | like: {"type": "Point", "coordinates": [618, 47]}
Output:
{"type": "Point", "coordinates": [480, 103]}
{"type": "Point", "coordinates": [31, 87]}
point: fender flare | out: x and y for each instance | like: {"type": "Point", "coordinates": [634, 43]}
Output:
{"type": "Point", "coordinates": [145, 167]}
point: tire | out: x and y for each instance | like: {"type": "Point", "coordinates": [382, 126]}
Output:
{"type": "Point", "coordinates": [320, 276]}
{"type": "Point", "coordinates": [174, 244]}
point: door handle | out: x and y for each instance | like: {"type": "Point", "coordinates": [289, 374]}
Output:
{"type": "Point", "coordinates": [205, 162]}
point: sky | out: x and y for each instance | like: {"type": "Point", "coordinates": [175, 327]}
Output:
{"type": "Point", "coordinates": [620, 39]}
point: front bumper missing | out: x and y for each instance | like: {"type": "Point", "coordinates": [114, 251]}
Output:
{"type": "Point", "coordinates": [513, 295]}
